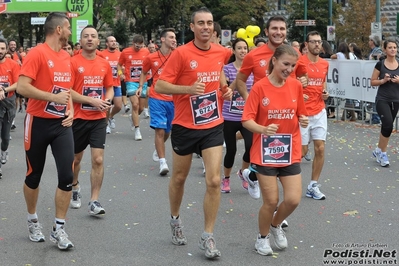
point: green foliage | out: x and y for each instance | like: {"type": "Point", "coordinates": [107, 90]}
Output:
{"type": "Point", "coordinates": [317, 10]}
{"type": "Point", "coordinates": [239, 14]}
{"type": "Point", "coordinates": [354, 23]}
{"type": "Point", "coordinates": [103, 13]}
{"type": "Point", "coordinates": [17, 27]}
{"type": "Point", "coordinates": [119, 31]}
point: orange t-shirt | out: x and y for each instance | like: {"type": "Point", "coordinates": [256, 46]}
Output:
{"type": "Point", "coordinates": [317, 73]}
{"type": "Point", "coordinates": [267, 104]}
{"type": "Point", "coordinates": [257, 62]}
{"type": "Point", "coordinates": [90, 78]}
{"type": "Point", "coordinates": [113, 59]}
{"type": "Point", "coordinates": [9, 72]}
{"type": "Point", "coordinates": [133, 62]}
{"type": "Point", "coordinates": [155, 62]}
{"type": "Point", "coordinates": [186, 64]}
{"type": "Point", "coordinates": [15, 57]}
{"type": "Point", "coordinates": [50, 72]}
{"type": "Point", "coordinates": [228, 53]}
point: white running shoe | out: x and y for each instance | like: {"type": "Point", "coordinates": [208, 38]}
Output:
{"type": "Point", "coordinates": [253, 186]}
{"type": "Point", "coordinates": [163, 168]}
{"type": "Point", "coordinates": [155, 157]}
{"type": "Point", "coordinates": [279, 237]}
{"type": "Point", "coordinates": [146, 113]}
{"type": "Point", "coordinates": [112, 123]}
{"type": "Point", "coordinates": [108, 130]}
{"type": "Point", "coordinates": [137, 134]}
{"type": "Point", "coordinates": [76, 202]}
{"type": "Point", "coordinates": [262, 245]}
{"type": "Point", "coordinates": [4, 157]}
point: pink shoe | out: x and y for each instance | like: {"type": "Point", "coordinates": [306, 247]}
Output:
{"type": "Point", "coordinates": [244, 183]}
{"type": "Point", "coordinates": [225, 185]}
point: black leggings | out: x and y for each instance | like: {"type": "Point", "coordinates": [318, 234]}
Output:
{"type": "Point", "coordinates": [229, 131]}
{"type": "Point", "coordinates": [123, 87]}
{"type": "Point", "coordinates": [39, 134]}
{"type": "Point", "coordinates": [387, 112]}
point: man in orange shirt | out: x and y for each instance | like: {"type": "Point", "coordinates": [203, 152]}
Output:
{"type": "Point", "coordinates": [132, 58]}
{"type": "Point", "coordinates": [12, 49]}
{"type": "Point", "coordinates": [9, 72]}
{"type": "Point", "coordinates": [194, 76]}
{"type": "Point", "coordinates": [112, 54]}
{"type": "Point", "coordinates": [316, 93]}
{"type": "Point", "coordinates": [151, 47]}
{"type": "Point", "coordinates": [45, 78]}
{"type": "Point", "coordinates": [161, 105]}
{"type": "Point", "coordinates": [92, 95]}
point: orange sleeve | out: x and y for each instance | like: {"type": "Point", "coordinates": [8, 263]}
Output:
{"type": "Point", "coordinates": [228, 55]}
{"type": "Point", "coordinates": [301, 68]}
{"type": "Point", "coordinates": [247, 64]}
{"type": "Point", "coordinates": [171, 71]}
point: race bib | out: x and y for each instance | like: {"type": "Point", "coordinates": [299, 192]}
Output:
{"type": "Point", "coordinates": [204, 108]}
{"type": "Point", "coordinates": [114, 71]}
{"type": "Point", "coordinates": [93, 92]}
{"type": "Point", "coordinates": [276, 149]}
{"type": "Point", "coordinates": [5, 85]}
{"type": "Point", "coordinates": [135, 72]}
{"type": "Point", "coordinates": [56, 108]}
{"type": "Point", "coordinates": [237, 104]}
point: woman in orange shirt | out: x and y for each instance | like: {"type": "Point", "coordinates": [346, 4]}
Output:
{"type": "Point", "coordinates": [273, 112]}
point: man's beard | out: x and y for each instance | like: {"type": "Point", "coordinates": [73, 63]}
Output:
{"type": "Point", "coordinates": [2, 57]}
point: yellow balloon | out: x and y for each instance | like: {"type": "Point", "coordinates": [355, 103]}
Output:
{"type": "Point", "coordinates": [248, 29]}
{"type": "Point", "coordinates": [242, 33]}
{"type": "Point", "coordinates": [252, 31]}
{"type": "Point", "coordinates": [256, 30]}
{"type": "Point", "coordinates": [250, 42]}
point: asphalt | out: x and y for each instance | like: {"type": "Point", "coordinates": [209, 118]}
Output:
{"type": "Point", "coordinates": [360, 213]}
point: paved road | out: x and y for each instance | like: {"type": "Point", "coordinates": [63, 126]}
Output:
{"type": "Point", "coordinates": [135, 229]}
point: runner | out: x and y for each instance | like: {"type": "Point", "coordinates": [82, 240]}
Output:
{"type": "Point", "coordinates": [112, 54]}
{"type": "Point", "coordinates": [9, 71]}
{"type": "Point", "coordinates": [132, 59]}
{"type": "Point", "coordinates": [315, 93]}
{"type": "Point", "coordinates": [161, 105]}
{"type": "Point", "coordinates": [92, 95]}
{"type": "Point", "coordinates": [194, 76]}
{"type": "Point", "coordinates": [232, 113]}
{"type": "Point", "coordinates": [273, 110]}
{"type": "Point", "coordinates": [45, 79]}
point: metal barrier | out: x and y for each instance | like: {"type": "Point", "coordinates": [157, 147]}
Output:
{"type": "Point", "coordinates": [362, 109]}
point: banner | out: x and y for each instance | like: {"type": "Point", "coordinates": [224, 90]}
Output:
{"type": "Point", "coordinates": [351, 79]}
{"type": "Point", "coordinates": [80, 11]}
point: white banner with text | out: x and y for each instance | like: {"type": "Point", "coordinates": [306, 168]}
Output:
{"type": "Point", "coordinates": [351, 79]}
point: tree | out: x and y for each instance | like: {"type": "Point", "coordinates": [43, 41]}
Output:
{"type": "Point", "coordinates": [239, 14]}
{"type": "Point", "coordinates": [17, 27]}
{"type": "Point", "coordinates": [119, 31]}
{"type": "Point", "coordinates": [103, 13]}
{"type": "Point", "coordinates": [353, 22]}
{"type": "Point", "coordinates": [147, 18]}
{"type": "Point", "coordinates": [317, 10]}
